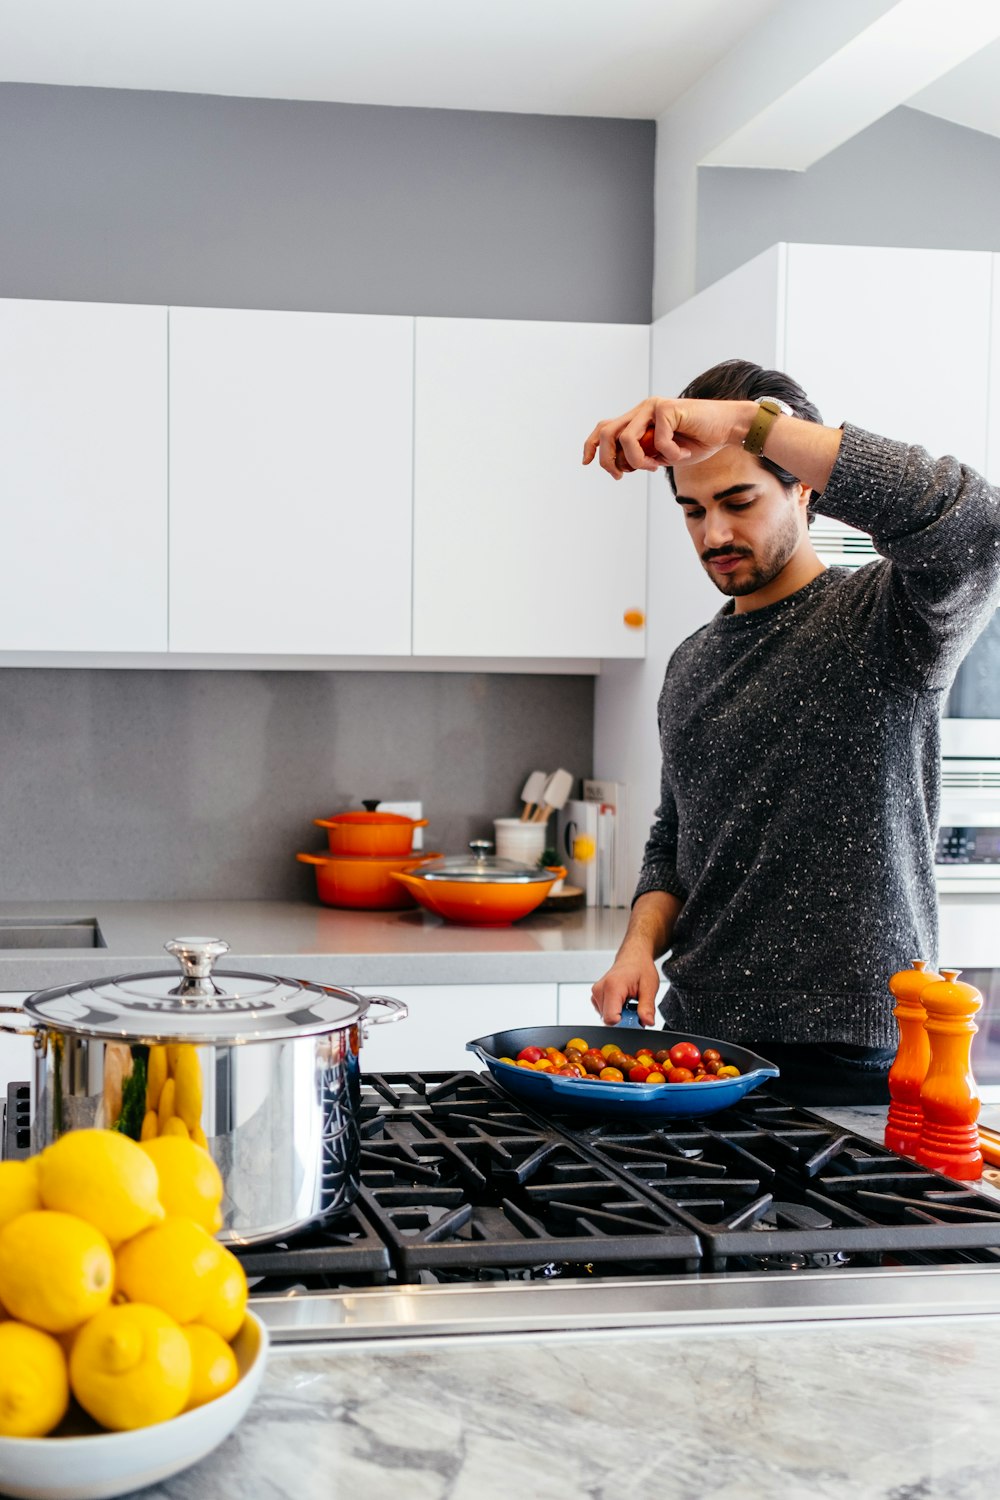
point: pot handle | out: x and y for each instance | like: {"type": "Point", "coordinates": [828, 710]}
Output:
{"type": "Point", "coordinates": [15, 1010]}
{"type": "Point", "coordinates": [398, 1010]}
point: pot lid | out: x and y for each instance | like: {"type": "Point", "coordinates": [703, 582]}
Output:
{"type": "Point", "coordinates": [196, 1003]}
{"type": "Point", "coordinates": [479, 867]}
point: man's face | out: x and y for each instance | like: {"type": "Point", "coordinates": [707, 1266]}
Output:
{"type": "Point", "coordinates": [746, 527]}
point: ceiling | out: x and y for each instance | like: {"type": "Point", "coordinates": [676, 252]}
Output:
{"type": "Point", "coordinates": [624, 58]}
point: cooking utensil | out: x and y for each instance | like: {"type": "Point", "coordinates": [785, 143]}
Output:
{"type": "Point", "coordinates": [363, 881]}
{"type": "Point", "coordinates": [370, 833]}
{"type": "Point", "coordinates": [266, 1067]}
{"type": "Point", "coordinates": [557, 789]}
{"type": "Point", "coordinates": [531, 793]}
{"type": "Point", "coordinates": [551, 1094]}
{"type": "Point", "coordinates": [100, 1464]}
{"type": "Point", "coordinates": [481, 890]}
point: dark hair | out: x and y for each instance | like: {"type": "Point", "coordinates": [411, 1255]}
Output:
{"type": "Point", "coordinates": [741, 380]}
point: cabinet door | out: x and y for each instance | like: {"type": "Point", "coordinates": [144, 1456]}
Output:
{"type": "Point", "coordinates": [444, 1017]}
{"type": "Point", "coordinates": [518, 549]}
{"type": "Point", "coordinates": [883, 337]}
{"type": "Point", "coordinates": [83, 475]}
{"type": "Point", "coordinates": [290, 482]}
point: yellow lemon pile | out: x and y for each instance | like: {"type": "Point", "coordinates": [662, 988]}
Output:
{"type": "Point", "coordinates": [112, 1288]}
{"type": "Point", "coordinates": [173, 1094]}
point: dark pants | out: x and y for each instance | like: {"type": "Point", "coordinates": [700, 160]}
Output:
{"type": "Point", "coordinates": [828, 1072]}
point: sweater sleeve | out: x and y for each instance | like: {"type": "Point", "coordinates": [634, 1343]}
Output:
{"type": "Point", "coordinates": [937, 523]}
{"type": "Point", "coordinates": [659, 859]}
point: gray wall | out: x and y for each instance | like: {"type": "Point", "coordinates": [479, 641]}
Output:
{"type": "Point", "coordinates": [911, 179]}
{"type": "Point", "coordinates": [163, 785]}
{"type": "Point", "coordinates": [143, 784]}
{"type": "Point", "coordinates": [119, 196]}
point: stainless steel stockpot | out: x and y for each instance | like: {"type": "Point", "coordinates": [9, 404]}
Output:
{"type": "Point", "coordinates": [262, 1071]}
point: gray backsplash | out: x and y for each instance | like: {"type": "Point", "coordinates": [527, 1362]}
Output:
{"type": "Point", "coordinates": [148, 785]}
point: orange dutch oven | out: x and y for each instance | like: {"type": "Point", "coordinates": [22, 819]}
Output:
{"type": "Point", "coordinates": [363, 881]}
{"type": "Point", "coordinates": [370, 832]}
{"type": "Point", "coordinates": [480, 891]}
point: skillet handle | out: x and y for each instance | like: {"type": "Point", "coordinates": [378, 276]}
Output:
{"type": "Point", "coordinates": [630, 1014]}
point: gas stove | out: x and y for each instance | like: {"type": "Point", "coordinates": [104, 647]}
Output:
{"type": "Point", "coordinates": [475, 1214]}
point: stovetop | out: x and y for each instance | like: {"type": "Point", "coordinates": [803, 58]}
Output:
{"type": "Point", "coordinates": [463, 1188]}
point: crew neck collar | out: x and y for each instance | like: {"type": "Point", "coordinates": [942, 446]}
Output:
{"type": "Point", "coordinates": [728, 619]}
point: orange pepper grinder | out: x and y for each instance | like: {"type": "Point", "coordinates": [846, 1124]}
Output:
{"type": "Point", "coordinates": [907, 1074]}
{"type": "Point", "coordinates": [949, 1139]}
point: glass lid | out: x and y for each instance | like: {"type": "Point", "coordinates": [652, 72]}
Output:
{"type": "Point", "coordinates": [196, 1003]}
{"type": "Point", "coordinates": [479, 867]}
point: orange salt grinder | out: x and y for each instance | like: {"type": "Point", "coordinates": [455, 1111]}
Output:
{"type": "Point", "coordinates": [949, 1139]}
{"type": "Point", "coordinates": [906, 1076]}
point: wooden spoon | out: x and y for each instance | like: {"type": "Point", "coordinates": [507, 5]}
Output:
{"type": "Point", "coordinates": [531, 793]}
{"type": "Point", "coordinates": [557, 789]}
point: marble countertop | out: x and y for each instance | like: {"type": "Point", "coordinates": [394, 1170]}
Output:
{"type": "Point", "coordinates": [303, 941]}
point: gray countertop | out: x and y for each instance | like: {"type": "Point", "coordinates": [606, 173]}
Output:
{"type": "Point", "coordinates": [303, 941]}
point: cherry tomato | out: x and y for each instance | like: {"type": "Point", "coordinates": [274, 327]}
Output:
{"type": "Point", "coordinates": [612, 1075]}
{"type": "Point", "coordinates": [685, 1055]}
{"type": "Point", "coordinates": [530, 1054]}
{"type": "Point", "coordinates": [655, 1077]}
{"type": "Point", "coordinates": [507, 1060]}
{"type": "Point", "coordinates": [593, 1061]}
{"type": "Point", "coordinates": [711, 1056]}
{"type": "Point", "coordinates": [543, 1066]}
{"type": "Point", "coordinates": [728, 1071]}
{"type": "Point", "coordinates": [522, 1062]}
{"type": "Point", "coordinates": [576, 1044]}
{"type": "Point", "coordinates": [555, 1057]}
{"type": "Point", "coordinates": [711, 1067]}
{"type": "Point", "coordinates": [610, 1047]}
{"type": "Point", "coordinates": [662, 1056]}
{"type": "Point", "coordinates": [570, 1071]}
{"type": "Point", "coordinates": [639, 1074]}
{"type": "Point", "coordinates": [680, 1075]}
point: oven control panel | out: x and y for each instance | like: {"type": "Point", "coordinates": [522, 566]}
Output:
{"type": "Point", "coordinates": [968, 846]}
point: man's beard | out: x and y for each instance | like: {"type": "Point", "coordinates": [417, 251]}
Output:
{"type": "Point", "coordinates": [762, 570]}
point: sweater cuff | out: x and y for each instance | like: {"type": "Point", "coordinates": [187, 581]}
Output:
{"type": "Point", "coordinates": [659, 878]}
{"type": "Point", "coordinates": [865, 480]}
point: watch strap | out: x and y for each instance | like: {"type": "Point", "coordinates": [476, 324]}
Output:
{"type": "Point", "coordinates": [767, 411]}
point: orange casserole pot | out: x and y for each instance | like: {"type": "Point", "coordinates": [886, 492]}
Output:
{"type": "Point", "coordinates": [364, 882]}
{"type": "Point", "coordinates": [388, 834]}
{"type": "Point", "coordinates": [475, 899]}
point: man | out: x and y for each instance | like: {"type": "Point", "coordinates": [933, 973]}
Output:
{"type": "Point", "coordinates": [790, 868]}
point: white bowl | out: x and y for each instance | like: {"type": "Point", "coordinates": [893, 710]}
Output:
{"type": "Point", "coordinates": [112, 1463]}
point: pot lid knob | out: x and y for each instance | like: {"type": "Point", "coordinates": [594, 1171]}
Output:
{"type": "Point", "coordinates": [480, 848]}
{"type": "Point", "coordinates": [196, 955]}
{"type": "Point", "coordinates": [370, 803]}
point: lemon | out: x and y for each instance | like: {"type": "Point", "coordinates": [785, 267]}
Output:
{"type": "Point", "coordinates": [34, 1384]}
{"type": "Point", "coordinates": [214, 1370]}
{"type": "Point", "coordinates": [156, 1076]}
{"type": "Point", "coordinates": [150, 1126]}
{"type": "Point", "coordinates": [18, 1189]}
{"type": "Point", "coordinates": [175, 1126]}
{"type": "Point", "coordinates": [131, 1367]}
{"type": "Point", "coordinates": [55, 1270]}
{"type": "Point", "coordinates": [190, 1184]}
{"type": "Point", "coordinates": [226, 1305]}
{"type": "Point", "coordinates": [187, 1085]}
{"type": "Point", "coordinates": [173, 1266]}
{"type": "Point", "coordinates": [103, 1177]}
{"type": "Point", "coordinates": [199, 1137]}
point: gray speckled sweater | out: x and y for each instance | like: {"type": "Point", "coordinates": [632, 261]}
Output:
{"type": "Point", "coordinates": [801, 764]}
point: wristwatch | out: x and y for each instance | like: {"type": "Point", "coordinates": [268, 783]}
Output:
{"type": "Point", "coordinates": [761, 425]}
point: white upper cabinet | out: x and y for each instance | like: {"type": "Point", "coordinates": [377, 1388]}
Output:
{"type": "Point", "coordinates": [897, 341]}
{"type": "Point", "coordinates": [519, 551]}
{"type": "Point", "coordinates": [83, 475]}
{"type": "Point", "coordinates": [290, 482]}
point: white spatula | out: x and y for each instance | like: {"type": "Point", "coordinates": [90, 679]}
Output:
{"type": "Point", "coordinates": [557, 789]}
{"type": "Point", "coordinates": [531, 793]}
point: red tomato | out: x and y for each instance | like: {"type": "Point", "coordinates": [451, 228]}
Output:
{"type": "Point", "coordinates": [556, 1058]}
{"type": "Point", "coordinates": [680, 1075]}
{"type": "Point", "coordinates": [639, 1074]}
{"type": "Point", "coordinates": [685, 1055]}
{"type": "Point", "coordinates": [710, 1056]}
{"type": "Point", "coordinates": [570, 1071]}
{"type": "Point", "coordinates": [530, 1054]}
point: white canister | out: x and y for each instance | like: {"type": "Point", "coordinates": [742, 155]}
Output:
{"type": "Point", "coordinates": [522, 842]}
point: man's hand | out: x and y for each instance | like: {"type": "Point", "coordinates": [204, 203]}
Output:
{"type": "Point", "coordinates": [629, 978]}
{"type": "Point", "coordinates": [684, 432]}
